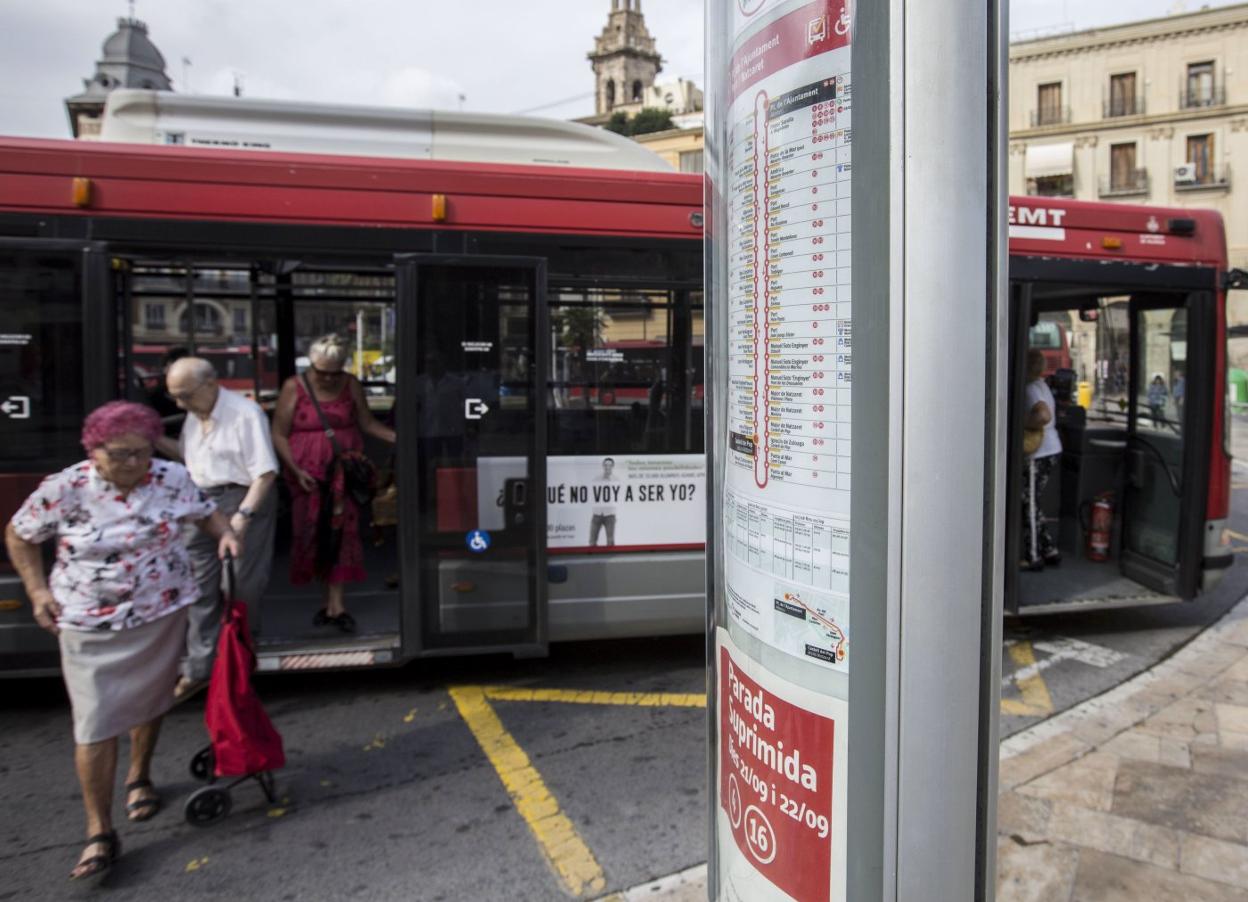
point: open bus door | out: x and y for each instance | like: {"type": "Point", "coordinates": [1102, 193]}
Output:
{"type": "Point", "coordinates": [1169, 431]}
{"type": "Point", "coordinates": [1020, 322]}
{"type": "Point", "coordinates": [472, 432]}
{"type": "Point", "coordinates": [1144, 443]}
{"type": "Point", "coordinates": [57, 319]}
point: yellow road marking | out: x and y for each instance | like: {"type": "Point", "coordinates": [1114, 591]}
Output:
{"type": "Point", "coordinates": [560, 843]}
{"type": "Point", "coordinates": [1036, 700]}
{"type": "Point", "coordinates": [591, 697]}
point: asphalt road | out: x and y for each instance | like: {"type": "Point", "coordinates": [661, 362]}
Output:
{"type": "Point", "coordinates": [388, 793]}
{"type": "Point", "coordinates": [400, 783]}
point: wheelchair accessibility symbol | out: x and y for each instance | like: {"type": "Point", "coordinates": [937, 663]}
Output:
{"type": "Point", "coordinates": [478, 540]}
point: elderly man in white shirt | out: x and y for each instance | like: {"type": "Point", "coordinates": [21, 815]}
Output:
{"type": "Point", "coordinates": [227, 448]}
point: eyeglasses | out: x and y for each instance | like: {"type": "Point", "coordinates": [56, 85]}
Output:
{"type": "Point", "coordinates": [125, 455]}
{"type": "Point", "coordinates": [328, 374]}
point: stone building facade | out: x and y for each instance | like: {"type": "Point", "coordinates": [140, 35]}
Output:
{"type": "Point", "coordinates": [624, 60]}
{"type": "Point", "coordinates": [1149, 112]}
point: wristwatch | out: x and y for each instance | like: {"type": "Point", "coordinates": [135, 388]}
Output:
{"type": "Point", "coordinates": [246, 513]}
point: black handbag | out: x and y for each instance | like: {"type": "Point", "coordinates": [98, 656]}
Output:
{"type": "Point", "coordinates": [359, 476]}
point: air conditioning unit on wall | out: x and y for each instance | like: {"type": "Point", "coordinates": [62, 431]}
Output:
{"type": "Point", "coordinates": [1185, 174]}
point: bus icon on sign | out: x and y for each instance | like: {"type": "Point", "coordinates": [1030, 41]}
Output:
{"type": "Point", "coordinates": [478, 541]}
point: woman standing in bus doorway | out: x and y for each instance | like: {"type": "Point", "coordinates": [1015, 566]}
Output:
{"type": "Point", "coordinates": [325, 521]}
{"type": "Point", "coordinates": [117, 599]}
{"type": "Point", "coordinates": [1038, 546]}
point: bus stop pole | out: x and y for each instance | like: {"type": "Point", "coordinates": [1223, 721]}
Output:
{"type": "Point", "coordinates": [904, 725]}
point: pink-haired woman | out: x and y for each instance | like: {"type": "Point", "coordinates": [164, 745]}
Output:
{"type": "Point", "coordinates": [117, 599]}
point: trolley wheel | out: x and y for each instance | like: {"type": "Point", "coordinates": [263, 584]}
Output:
{"type": "Point", "coordinates": [207, 805]}
{"type": "Point", "coordinates": [203, 763]}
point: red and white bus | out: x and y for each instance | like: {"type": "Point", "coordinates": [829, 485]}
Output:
{"type": "Point", "coordinates": [1136, 298]}
{"type": "Point", "coordinates": [536, 332]}
{"type": "Point", "coordinates": [469, 289]}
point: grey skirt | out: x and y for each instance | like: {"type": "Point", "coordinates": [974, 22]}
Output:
{"type": "Point", "coordinates": [120, 679]}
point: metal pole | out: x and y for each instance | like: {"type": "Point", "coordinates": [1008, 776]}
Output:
{"type": "Point", "coordinates": [854, 275]}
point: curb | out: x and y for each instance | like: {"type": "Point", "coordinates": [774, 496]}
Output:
{"type": "Point", "coordinates": [1063, 738]}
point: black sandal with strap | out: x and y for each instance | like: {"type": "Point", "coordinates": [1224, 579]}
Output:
{"type": "Point", "coordinates": [98, 865]}
{"type": "Point", "coordinates": [146, 808]}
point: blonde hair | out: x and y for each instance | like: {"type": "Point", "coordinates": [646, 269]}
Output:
{"type": "Point", "coordinates": [331, 348]}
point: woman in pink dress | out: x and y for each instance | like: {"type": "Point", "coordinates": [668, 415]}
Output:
{"type": "Point", "coordinates": [307, 456]}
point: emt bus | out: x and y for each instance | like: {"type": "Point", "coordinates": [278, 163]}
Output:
{"type": "Point", "coordinates": [533, 330]}
{"type": "Point", "coordinates": [1129, 298]}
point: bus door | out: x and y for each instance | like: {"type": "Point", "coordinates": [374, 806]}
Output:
{"type": "Point", "coordinates": [1020, 323]}
{"type": "Point", "coordinates": [1169, 431]}
{"type": "Point", "coordinates": [57, 359]}
{"type": "Point", "coordinates": [472, 439]}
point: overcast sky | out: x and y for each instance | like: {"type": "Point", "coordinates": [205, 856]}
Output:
{"type": "Point", "coordinates": [500, 56]}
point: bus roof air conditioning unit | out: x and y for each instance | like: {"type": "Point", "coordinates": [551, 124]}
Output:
{"type": "Point", "coordinates": [1185, 174]}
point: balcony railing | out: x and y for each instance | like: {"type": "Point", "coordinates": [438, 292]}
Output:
{"type": "Point", "coordinates": [1133, 181]}
{"type": "Point", "coordinates": [1194, 98]}
{"type": "Point", "coordinates": [1123, 106]}
{"type": "Point", "coordinates": [1050, 116]}
{"type": "Point", "coordinates": [1213, 177]}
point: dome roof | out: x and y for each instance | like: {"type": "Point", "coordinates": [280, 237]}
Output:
{"type": "Point", "coordinates": [129, 45]}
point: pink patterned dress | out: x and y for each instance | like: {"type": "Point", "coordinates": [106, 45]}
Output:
{"type": "Point", "coordinates": [312, 451]}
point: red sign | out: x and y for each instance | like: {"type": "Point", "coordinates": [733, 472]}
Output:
{"type": "Point", "coordinates": [776, 783]}
{"type": "Point", "coordinates": [804, 33]}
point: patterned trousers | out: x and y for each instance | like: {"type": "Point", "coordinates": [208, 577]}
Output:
{"type": "Point", "coordinates": [1037, 543]}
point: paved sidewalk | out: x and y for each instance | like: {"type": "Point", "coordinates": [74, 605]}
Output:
{"type": "Point", "coordinates": [1140, 794]}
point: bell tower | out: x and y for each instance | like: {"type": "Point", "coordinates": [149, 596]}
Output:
{"type": "Point", "coordinates": [624, 60]}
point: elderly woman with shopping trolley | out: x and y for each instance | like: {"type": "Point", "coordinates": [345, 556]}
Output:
{"type": "Point", "coordinates": [117, 598]}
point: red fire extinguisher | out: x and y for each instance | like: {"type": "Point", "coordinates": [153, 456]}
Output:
{"type": "Point", "coordinates": [1101, 527]}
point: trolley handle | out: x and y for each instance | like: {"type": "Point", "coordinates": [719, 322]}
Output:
{"type": "Point", "coordinates": [227, 563]}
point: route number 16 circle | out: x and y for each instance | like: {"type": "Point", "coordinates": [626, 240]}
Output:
{"type": "Point", "coordinates": [759, 837]}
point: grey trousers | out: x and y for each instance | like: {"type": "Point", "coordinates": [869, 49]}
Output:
{"type": "Point", "coordinates": [251, 577]}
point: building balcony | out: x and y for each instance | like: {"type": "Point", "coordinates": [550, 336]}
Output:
{"type": "Point", "coordinates": [1050, 116]}
{"type": "Point", "coordinates": [1127, 184]}
{"type": "Point", "coordinates": [1123, 106]}
{"type": "Point", "coordinates": [1201, 98]}
{"type": "Point", "coordinates": [1213, 177]}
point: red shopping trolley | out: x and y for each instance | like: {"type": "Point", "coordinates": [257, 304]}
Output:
{"type": "Point", "coordinates": [243, 744]}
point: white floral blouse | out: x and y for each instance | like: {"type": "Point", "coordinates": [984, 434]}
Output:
{"type": "Point", "coordinates": [120, 561]}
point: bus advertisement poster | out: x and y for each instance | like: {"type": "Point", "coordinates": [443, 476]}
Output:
{"type": "Point", "coordinates": [616, 501]}
{"type": "Point", "coordinates": [781, 785]}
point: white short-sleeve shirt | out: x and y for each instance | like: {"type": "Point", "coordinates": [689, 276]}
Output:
{"type": "Point", "coordinates": [235, 449]}
{"type": "Point", "coordinates": [120, 561]}
{"type": "Point", "coordinates": [1037, 392]}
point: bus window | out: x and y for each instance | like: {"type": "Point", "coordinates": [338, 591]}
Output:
{"type": "Point", "coordinates": [1154, 488]}
{"type": "Point", "coordinates": [41, 388]}
{"type": "Point", "coordinates": [621, 364]}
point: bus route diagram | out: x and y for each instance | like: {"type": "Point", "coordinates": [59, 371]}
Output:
{"type": "Point", "coordinates": [790, 347]}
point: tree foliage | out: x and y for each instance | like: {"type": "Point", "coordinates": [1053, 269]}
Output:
{"type": "Point", "coordinates": [650, 119]}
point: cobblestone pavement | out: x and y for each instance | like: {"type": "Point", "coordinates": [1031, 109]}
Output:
{"type": "Point", "coordinates": [1139, 794]}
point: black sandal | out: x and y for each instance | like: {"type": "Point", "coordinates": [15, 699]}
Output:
{"type": "Point", "coordinates": [344, 622]}
{"type": "Point", "coordinates": [322, 618]}
{"type": "Point", "coordinates": [98, 865]}
{"type": "Point", "coordinates": [146, 808]}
